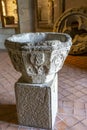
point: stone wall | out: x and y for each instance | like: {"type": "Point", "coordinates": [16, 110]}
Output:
{"type": "Point", "coordinates": [43, 7]}
{"type": "Point", "coordinates": [27, 17]}
{"type": "Point", "coordinates": [68, 5]}
{"type": "Point", "coordinates": [24, 9]}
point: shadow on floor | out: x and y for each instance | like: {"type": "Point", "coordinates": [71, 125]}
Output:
{"type": "Point", "coordinates": [8, 113]}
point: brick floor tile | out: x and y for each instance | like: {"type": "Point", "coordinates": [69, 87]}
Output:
{"type": "Point", "coordinates": [79, 126]}
{"type": "Point", "coordinates": [72, 111]}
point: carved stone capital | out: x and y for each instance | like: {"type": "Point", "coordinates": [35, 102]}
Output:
{"type": "Point", "coordinates": [38, 56]}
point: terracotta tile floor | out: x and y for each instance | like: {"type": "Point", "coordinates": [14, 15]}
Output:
{"type": "Point", "coordinates": [72, 113]}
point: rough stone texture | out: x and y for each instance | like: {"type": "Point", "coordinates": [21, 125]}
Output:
{"type": "Point", "coordinates": [38, 56]}
{"type": "Point", "coordinates": [54, 99]}
{"type": "Point", "coordinates": [37, 104]}
{"type": "Point", "coordinates": [74, 22]}
{"type": "Point", "coordinates": [26, 22]}
{"type": "Point", "coordinates": [79, 45]}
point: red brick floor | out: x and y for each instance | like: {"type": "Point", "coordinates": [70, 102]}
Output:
{"type": "Point", "coordinates": [72, 111]}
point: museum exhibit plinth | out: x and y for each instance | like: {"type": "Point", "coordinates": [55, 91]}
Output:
{"type": "Point", "coordinates": [38, 57]}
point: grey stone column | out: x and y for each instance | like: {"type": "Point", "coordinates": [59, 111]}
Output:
{"type": "Point", "coordinates": [27, 15]}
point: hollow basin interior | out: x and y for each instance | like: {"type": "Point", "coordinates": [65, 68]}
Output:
{"type": "Point", "coordinates": [34, 38]}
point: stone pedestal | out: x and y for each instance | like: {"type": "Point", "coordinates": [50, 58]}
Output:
{"type": "Point", "coordinates": [38, 56]}
{"type": "Point", "coordinates": [37, 104]}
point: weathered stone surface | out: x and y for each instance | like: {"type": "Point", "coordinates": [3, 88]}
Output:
{"type": "Point", "coordinates": [27, 22]}
{"type": "Point", "coordinates": [79, 45]}
{"type": "Point", "coordinates": [74, 22]}
{"type": "Point", "coordinates": [37, 104]}
{"type": "Point", "coordinates": [38, 56]}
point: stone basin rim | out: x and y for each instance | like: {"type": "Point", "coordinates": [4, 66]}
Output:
{"type": "Point", "coordinates": [33, 41]}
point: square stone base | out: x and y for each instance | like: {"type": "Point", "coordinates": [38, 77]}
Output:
{"type": "Point", "coordinates": [37, 104]}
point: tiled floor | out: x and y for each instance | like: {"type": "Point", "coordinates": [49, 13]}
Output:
{"type": "Point", "coordinates": [72, 113]}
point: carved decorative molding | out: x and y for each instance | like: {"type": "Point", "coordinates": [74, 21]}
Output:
{"type": "Point", "coordinates": [74, 23]}
{"type": "Point", "coordinates": [38, 56]}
